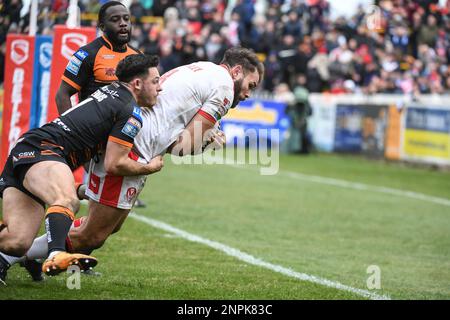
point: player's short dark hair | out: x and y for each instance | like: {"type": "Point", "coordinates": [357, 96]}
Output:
{"type": "Point", "coordinates": [135, 65]}
{"type": "Point", "coordinates": [244, 57]}
{"type": "Point", "coordinates": [104, 7]}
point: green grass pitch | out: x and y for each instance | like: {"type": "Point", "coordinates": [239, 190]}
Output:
{"type": "Point", "coordinates": [332, 232]}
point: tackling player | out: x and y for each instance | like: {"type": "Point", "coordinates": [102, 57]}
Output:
{"type": "Point", "coordinates": [39, 168]}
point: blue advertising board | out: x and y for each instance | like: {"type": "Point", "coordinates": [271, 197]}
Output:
{"type": "Point", "coordinates": [348, 130]}
{"type": "Point", "coordinates": [262, 120]}
{"type": "Point", "coordinates": [41, 80]}
{"type": "Point", "coordinates": [428, 119]}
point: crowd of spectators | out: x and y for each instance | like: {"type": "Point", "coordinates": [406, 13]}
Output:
{"type": "Point", "coordinates": [396, 46]}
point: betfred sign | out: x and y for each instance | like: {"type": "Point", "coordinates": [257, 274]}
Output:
{"type": "Point", "coordinates": [71, 42]}
{"type": "Point", "coordinates": [20, 51]}
{"type": "Point", "coordinates": [65, 42]}
{"type": "Point", "coordinates": [17, 90]}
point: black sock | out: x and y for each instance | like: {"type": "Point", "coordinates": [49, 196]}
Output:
{"type": "Point", "coordinates": [57, 226]}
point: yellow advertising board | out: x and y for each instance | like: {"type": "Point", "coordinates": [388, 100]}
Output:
{"type": "Point", "coordinates": [427, 134]}
{"type": "Point", "coordinates": [427, 143]}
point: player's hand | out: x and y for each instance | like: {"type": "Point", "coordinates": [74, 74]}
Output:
{"type": "Point", "coordinates": [215, 140]}
{"type": "Point", "coordinates": [155, 165]}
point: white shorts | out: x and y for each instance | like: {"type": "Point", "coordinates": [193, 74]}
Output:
{"type": "Point", "coordinates": [114, 191]}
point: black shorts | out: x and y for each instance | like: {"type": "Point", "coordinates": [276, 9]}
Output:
{"type": "Point", "coordinates": [25, 154]}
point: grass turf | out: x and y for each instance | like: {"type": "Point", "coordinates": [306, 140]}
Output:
{"type": "Point", "coordinates": [328, 231]}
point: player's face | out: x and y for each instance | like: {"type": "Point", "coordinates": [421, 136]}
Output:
{"type": "Point", "coordinates": [150, 89]}
{"type": "Point", "coordinates": [244, 86]}
{"type": "Point", "coordinates": [117, 25]}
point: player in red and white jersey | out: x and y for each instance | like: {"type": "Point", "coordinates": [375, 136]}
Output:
{"type": "Point", "coordinates": [202, 88]}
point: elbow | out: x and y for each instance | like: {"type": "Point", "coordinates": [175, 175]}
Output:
{"type": "Point", "coordinates": [58, 99]}
{"type": "Point", "coordinates": [112, 168]}
{"type": "Point", "coordinates": [111, 172]}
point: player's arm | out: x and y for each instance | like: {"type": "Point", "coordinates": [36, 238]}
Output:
{"type": "Point", "coordinates": [78, 70]}
{"type": "Point", "coordinates": [200, 132]}
{"type": "Point", "coordinates": [63, 95]}
{"type": "Point", "coordinates": [117, 162]}
{"type": "Point", "coordinates": [120, 142]}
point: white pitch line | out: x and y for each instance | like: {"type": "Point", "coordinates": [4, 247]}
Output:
{"type": "Point", "coordinates": [256, 261]}
{"type": "Point", "coordinates": [361, 186]}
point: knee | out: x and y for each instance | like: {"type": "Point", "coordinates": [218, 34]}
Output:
{"type": "Point", "coordinates": [16, 247]}
{"type": "Point", "coordinates": [74, 204]}
{"type": "Point", "coordinates": [71, 203]}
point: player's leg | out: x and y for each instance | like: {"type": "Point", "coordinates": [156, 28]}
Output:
{"type": "Point", "coordinates": [53, 182]}
{"type": "Point", "coordinates": [22, 217]}
{"type": "Point", "coordinates": [111, 199]}
{"type": "Point", "coordinates": [96, 227]}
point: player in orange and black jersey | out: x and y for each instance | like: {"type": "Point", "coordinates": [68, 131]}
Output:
{"type": "Point", "coordinates": [93, 65]}
{"type": "Point", "coordinates": [39, 168]}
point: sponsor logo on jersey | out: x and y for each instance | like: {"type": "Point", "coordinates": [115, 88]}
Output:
{"type": "Point", "coordinates": [81, 54]}
{"type": "Point", "coordinates": [137, 113]}
{"type": "Point", "coordinates": [99, 96]}
{"type": "Point", "coordinates": [61, 124]}
{"type": "Point", "coordinates": [131, 193]}
{"type": "Point", "coordinates": [114, 94]}
{"type": "Point", "coordinates": [26, 155]}
{"type": "Point", "coordinates": [110, 72]}
{"type": "Point", "coordinates": [108, 56]}
{"type": "Point", "coordinates": [74, 65]}
{"type": "Point", "coordinates": [132, 127]}
{"type": "Point", "coordinates": [134, 122]}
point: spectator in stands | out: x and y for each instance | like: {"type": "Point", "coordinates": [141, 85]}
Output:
{"type": "Point", "coordinates": [294, 36]}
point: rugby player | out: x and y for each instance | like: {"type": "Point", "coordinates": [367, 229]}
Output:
{"type": "Point", "coordinates": [39, 168]}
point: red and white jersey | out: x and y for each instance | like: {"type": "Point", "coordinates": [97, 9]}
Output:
{"type": "Point", "coordinates": [203, 87]}
{"type": "Point", "coordinates": [114, 191]}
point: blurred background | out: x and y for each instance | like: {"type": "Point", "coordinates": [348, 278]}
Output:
{"type": "Point", "coordinates": [368, 77]}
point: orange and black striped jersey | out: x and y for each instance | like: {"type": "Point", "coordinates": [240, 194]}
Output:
{"type": "Point", "coordinates": [94, 65]}
{"type": "Point", "coordinates": [109, 114]}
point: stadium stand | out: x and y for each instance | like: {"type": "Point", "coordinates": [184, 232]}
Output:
{"type": "Point", "coordinates": [406, 51]}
